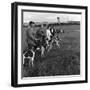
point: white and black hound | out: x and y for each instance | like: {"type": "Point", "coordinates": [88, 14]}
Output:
{"type": "Point", "coordinates": [30, 53]}
{"type": "Point", "coordinates": [52, 37]}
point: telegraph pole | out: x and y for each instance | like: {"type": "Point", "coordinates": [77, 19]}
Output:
{"type": "Point", "coordinates": [58, 19]}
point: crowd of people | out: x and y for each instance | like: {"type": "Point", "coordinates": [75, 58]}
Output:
{"type": "Point", "coordinates": [39, 40]}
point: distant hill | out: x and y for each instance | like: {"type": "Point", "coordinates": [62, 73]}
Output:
{"type": "Point", "coordinates": [54, 23]}
{"type": "Point", "coordinates": [74, 22]}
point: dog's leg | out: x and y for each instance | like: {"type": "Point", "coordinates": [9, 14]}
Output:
{"type": "Point", "coordinates": [57, 43]}
{"type": "Point", "coordinates": [50, 46]}
{"type": "Point", "coordinates": [42, 50]}
{"type": "Point", "coordinates": [32, 59]}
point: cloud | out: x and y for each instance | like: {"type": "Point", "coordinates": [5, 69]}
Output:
{"type": "Point", "coordinates": [49, 17]}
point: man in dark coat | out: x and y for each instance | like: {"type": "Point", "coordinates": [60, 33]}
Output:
{"type": "Point", "coordinates": [31, 35]}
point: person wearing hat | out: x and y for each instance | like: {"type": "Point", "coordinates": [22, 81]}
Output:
{"type": "Point", "coordinates": [30, 34]}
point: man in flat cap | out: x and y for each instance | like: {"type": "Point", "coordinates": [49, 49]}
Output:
{"type": "Point", "coordinates": [30, 33]}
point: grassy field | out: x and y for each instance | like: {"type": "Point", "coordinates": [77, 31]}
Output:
{"type": "Point", "coordinates": [58, 61]}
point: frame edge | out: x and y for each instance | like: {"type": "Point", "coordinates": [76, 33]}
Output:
{"type": "Point", "coordinates": [13, 37]}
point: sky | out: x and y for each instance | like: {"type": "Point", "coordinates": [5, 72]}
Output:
{"type": "Point", "coordinates": [49, 17]}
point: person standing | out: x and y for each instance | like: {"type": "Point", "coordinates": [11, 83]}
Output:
{"type": "Point", "coordinates": [30, 34]}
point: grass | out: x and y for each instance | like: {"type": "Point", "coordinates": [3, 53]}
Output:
{"type": "Point", "coordinates": [58, 61]}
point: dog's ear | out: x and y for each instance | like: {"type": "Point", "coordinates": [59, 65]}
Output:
{"type": "Point", "coordinates": [30, 53]}
{"type": "Point", "coordinates": [26, 54]}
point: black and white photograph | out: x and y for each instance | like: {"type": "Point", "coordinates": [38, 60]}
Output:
{"type": "Point", "coordinates": [50, 44]}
